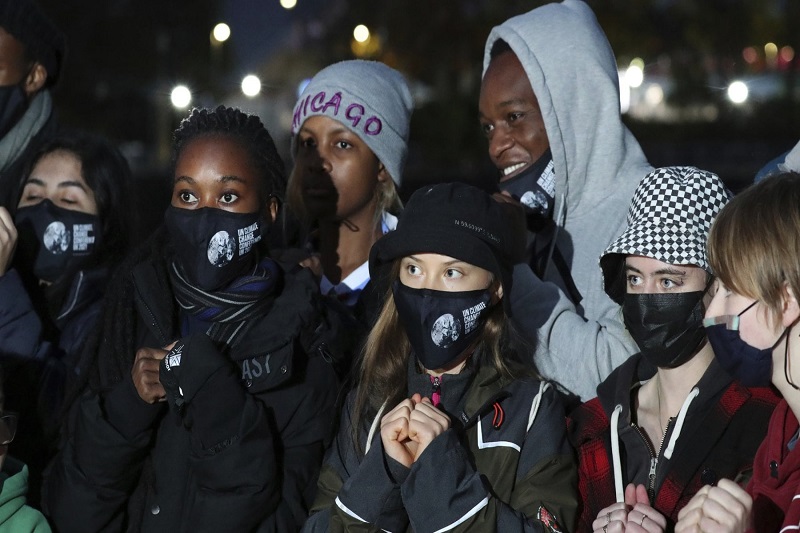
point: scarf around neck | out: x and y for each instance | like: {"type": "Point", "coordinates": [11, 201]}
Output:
{"type": "Point", "coordinates": [228, 309]}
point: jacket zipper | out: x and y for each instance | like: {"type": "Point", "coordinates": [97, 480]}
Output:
{"type": "Point", "coordinates": [651, 476]}
{"type": "Point", "coordinates": [152, 316]}
{"type": "Point", "coordinates": [436, 394]}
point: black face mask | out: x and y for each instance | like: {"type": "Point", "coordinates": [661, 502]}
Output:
{"type": "Point", "coordinates": [13, 103]}
{"type": "Point", "coordinates": [668, 328]}
{"type": "Point", "coordinates": [213, 247]}
{"type": "Point", "coordinates": [535, 190]}
{"type": "Point", "coordinates": [55, 240]}
{"type": "Point", "coordinates": [440, 325]}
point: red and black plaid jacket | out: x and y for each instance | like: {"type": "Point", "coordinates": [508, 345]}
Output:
{"type": "Point", "coordinates": [720, 436]}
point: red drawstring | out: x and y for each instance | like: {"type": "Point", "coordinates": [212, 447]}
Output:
{"type": "Point", "coordinates": [499, 416]}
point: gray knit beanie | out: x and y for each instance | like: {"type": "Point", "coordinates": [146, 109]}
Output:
{"type": "Point", "coordinates": [370, 99]}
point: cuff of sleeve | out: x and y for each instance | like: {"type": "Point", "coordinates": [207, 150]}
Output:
{"type": "Point", "coordinates": [397, 471]}
{"type": "Point", "coordinates": [442, 471]}
{"type": "Point", "coordinates": [127, 412]}
{"type": "Point", "coordinates": [371, 494]}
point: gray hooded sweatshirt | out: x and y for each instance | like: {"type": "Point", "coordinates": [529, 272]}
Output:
{"type": "Point", "coordinates": [598, 164]}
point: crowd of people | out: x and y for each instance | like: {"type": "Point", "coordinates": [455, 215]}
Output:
{"type": "Point", "coordinates": [593, 345]}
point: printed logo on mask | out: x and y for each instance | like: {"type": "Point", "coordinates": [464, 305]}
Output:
{"type": "Point", "coordinates": [447, 328]}
{"type": "Point", "coordinates": [222, 247]}
{"type": "Point", "coordinates": [445, 331]}
{"type": "Point", "coordinates": [57, 238]}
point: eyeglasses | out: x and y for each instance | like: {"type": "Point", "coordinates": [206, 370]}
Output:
{"type": "Point", "coordinates": [8, 427]}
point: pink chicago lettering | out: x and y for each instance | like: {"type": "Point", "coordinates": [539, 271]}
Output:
{"type": "Point", "coordinates": [373, 126]}
{"type": "Point", "coordinates": [334, 102]}
{"type": "Point", "coordinates": [354, 119]}
{"type": "Point", "coordinates": [316, 102]}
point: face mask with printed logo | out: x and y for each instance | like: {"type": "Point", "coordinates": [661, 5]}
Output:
{"type": "Point", "coordinates": [440, 325]}
{"type": "Point", "coordinates": [55, 240]}
{"type": "Point", "coordinates": [213, 247]}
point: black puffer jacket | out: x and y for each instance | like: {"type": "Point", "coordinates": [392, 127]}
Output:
{"type": "Point", "coordinates": [242, 455]}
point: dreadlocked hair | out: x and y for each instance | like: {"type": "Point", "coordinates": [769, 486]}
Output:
{"type": "Point", "coordinates": [248, 130]}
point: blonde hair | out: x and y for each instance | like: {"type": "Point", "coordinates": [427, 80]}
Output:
{"type": "Point", "coordinates": [754, 244]}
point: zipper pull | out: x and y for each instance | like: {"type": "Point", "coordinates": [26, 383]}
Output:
{"type": "Point", "coordinates": [651, 488]}
{"type": "Point", "coordinates": [436, 395]}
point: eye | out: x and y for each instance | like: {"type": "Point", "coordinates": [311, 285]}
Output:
{"type": "Point", "coordinates": [307, 142]}
{"type": "Point", "coordinates": [634, 280]}
{"type": "Point", "coordinates": [343, 145]}
{"type": "Point", "coordinates": [228, 198]}
{"type": "Point", "coordinates": [668, 283]}
{"type": "Point", "coordinates": [187, 197]}
{"type": "Point", "coordinates": [487, 128]}
{"type": "Point", "coordinates": [413, 270]}
{"type": "Point", "coordinates": [515, 116]}
{"type": "Point", "coordinates": [452, 273]}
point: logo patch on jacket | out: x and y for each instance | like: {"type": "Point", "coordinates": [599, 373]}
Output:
{"type": "Point", "coordinates": [549, 521]}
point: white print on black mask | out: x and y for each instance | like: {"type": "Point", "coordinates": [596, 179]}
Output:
{"type": "Point", "coordinates": [471, 316]}
{"type": "Point", "coordinates": [82, 237]}
{"type": "Point", "coordinates": [56, 238]}
{"type": "Point", "coordinates": [248, 237]}
{"type": "Point", "coordinates": [445, 330]}
{"type": "Point", "coordinates": [221, 249]}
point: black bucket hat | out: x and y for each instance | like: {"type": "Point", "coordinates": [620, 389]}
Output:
{"type": "Point", "coordinates": [460, 221]}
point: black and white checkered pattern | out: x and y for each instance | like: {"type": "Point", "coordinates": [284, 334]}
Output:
{"type": "Point", "coordinates": [669, 218]}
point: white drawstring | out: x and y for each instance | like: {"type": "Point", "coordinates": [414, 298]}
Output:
{"type": "Point", "coordinates": [543, 386]}
{"type": "Point", "coordinates": [620, 490]}
{"type": "Point", "coordinates": [373, 428]}
{"type": "Point", "coordinates": [679, 423]}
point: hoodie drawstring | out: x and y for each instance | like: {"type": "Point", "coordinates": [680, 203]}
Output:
{"type": "Point", "coordinates": [620, 490]}
{"type": "Point", "coordinates": [679, 423]}
{"type": "Point", "coordinates": [543, 386]}
{"type": "Point", "coordinates": [374, 427]}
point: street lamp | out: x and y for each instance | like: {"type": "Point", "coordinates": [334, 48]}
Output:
{"type": "Point", "coordinates": [288, 4]}
{"type": "Point", "coordinates": [251, 85]}
{"type": "Point", "coordinates": [738, 92]}
{"type": "Point", "coordinates": [181, 97]}
{"type": "Point", "coordinates": [220, 33]}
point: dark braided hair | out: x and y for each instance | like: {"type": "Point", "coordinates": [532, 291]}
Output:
{"type": "Point", "coordinates": [243, 128]}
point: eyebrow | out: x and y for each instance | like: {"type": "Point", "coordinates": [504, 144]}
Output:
{"type": "Point", "coordinates": [223, 179]}
{"type": "Point", "coordinates": [669, 270]}
{"type": "Point", "coordinates": [61, 185]}
{"type": "Point", "coordinates": [448, 263]}
{"type": "Point", "coordinates": [337, 131]}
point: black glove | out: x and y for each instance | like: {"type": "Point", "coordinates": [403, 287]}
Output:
{"type": "Point", "coordinates": [188, 366]}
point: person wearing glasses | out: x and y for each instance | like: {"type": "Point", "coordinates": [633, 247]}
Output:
{"type": "Point", "coordinates": [15, 514]}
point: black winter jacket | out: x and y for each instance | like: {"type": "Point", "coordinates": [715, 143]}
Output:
{"type": "Point", "coordinates": [242, 455]}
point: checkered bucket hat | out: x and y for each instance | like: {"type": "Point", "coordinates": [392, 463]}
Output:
{"type": "Point", "coordinates": [669, 219]}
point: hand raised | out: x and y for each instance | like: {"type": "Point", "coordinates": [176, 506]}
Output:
{"type": "Point", "coordinates": [425, 424]}
{"type": "Point", "coordinates": [145, 373]}
{"type": "Point", "coordinates": [8, 240]}
{"type": "Point", "coordinates": [394, 432]}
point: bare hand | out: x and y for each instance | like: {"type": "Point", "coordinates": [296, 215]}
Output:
{"type": "Point", "coordinates": [145, 373]}
{"type": "Point", "coordinates": [506, 197]}
{"type": "Point", "coordinates": [8, 240]}
{"type": "Point", "coordinates": [314, 264]}
{"type": "Point", "coordinates": [725, 508]}
{"type": "Point", "coordinates": [394, 432]}
{"type": "Point", "coordinates": [612, 519]}
{"type": "Point", "coordinates": [426, 423]}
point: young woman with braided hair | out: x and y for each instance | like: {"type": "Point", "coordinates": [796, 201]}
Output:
{"type": "Point", "coordinates": [209, 390]}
